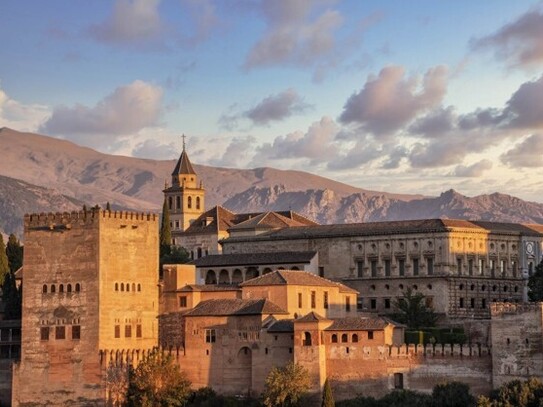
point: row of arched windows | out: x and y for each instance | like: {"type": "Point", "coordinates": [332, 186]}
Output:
{"type": "Point", "coordinates": [128, 287]}
{"type": "Point", "coordinates": [61, 288]}
{"type": "Point", "coordinates": [178, 204]}
{"type": "Point", "coordinates": [306, 339]}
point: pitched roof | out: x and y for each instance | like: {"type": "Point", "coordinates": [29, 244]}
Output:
{"type": "Point", "coordinates": [295, 277]}
{"type": "Point", "coordinates": [229, 307]}
{"type": "Point", "coordinates": [267, 220]}
{"type": "Point", "coordinates": [183, 165]}
{"type": "Point", "coordinates": [283, 325]}
{"type": "Point", "coordinates": [246, 259]}
{"type": "Point", "coordinates": [359, 324]}
{"type": "Point", "coordinates": [393, 227]}
{"type": "Point", "coordinates": [312, 317]}
{"type": "Point", "coordinates": [209, 287]}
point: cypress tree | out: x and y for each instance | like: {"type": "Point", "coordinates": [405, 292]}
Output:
{"type": "Point", "coordinates": [4, 264]}
{"type": "Point", "coordinates": [108, 206]}
{"type": "Point", "coordinates": [165, 228]}
{"type": "Point", "coordinates": [327, 395]}
{"type": "Point", "coordinates": [14, 252]}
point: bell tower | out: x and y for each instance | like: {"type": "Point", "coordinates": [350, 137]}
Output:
{"type": "Point", "coordinates": [185, 196]}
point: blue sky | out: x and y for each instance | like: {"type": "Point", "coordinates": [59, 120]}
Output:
{"type": "Point", "coordinates": [411, 97]}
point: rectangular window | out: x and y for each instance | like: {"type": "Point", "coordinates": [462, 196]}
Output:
{"type": "Point", "coordinates": [325, 300]}
{"type": "Point", "coordinates": [483, 303]}
{"type": "Point", "coordinates": [373, 303]}
{"type": "Point", "coordinates": [461, 303]}
{"type": "Point", "coordinates": [177, 224]}
{"type": "Point", "coordinates": [299, 300]}
{"type": "Point", "coordinates": [472, 303]}
{"type": "Point", "coordinates": [370, 335]}
{"type": "Point", "coordinates": [481, 266]}
{"type": "Point", "coordinates": [359, 303]}
{"type": "Point", "coordinates": [415, 267]}
{"type": "Point", "coordinates": [374, 268]}
{"type": "Point", "coordinates": [459, 265]}
{"type": "Point", "coordinates": [44, 333]}
{"type": "Point", "coordinates": [387, 303]}
{"type": "Point", "coordinates": [128, 331]}
{"type": "Point", "coordinates": [470, 267]}
{"type": "Point", "coordinates": [493, 268]}
{"type": "Point", "coordinates": [210, 336]}
{"type": "Point", "coordinates": [401, 267]}
{"type": "Point", "coordinates": [60, 332]}
{"type": "Point", "coordinates": [138, 331]}
{"type": "Point", "coordinates": [387, 267]}
{"type": "Point", "coordinates": [398, 381]}
{"type": "Point", "coordinates": [183, 301]}
{"type": "Point", "coordinates": [514, 268]}
{"type": "Point", "coordinates": [360, 268]}
{"type": "Point", "coordinates": [117, 331]}
{"type": "Point", "coordinates": [321, 271]}
{"type": "Point", "coordinates": [347, 303]}
{"type": "Point", "coordinates": [503, 267]}
{"type": "Point", "coordinates": [76, 332]}
{"type": "Point", "coordinates": [430, 265]}
{"type": "Point", "coordinates": [313, 299]}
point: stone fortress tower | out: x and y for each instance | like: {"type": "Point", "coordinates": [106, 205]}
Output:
{"type": "Point", "coordinates": [90, 294]}
{"type": "Point", "coordinates": [185, 197]}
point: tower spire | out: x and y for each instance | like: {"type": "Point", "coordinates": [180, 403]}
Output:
{"type": "Point", "coordinates": [183, 137]}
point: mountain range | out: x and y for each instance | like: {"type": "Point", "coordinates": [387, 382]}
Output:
{"type": "Point", "coordinates": [40, 174]}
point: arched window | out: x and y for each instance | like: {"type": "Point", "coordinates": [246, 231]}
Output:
{"type": "Point", "coordinates": [197, 202]}
{"type": "Point", "coordinates": [77, 287]}
{"type": "Point", "coordinates": [334, 338]}
{"type": "Point", "coordinates": [178, 202]}
{"type": "Point", "coordinates": [307, 339]}
{"type": "Point", "coordinates": [170, 203]}
{"type": "Point", "coordinates": [199, 252]}
{"type": "Point", "coordinates": [266, 270]}
{"type": "Point", "coordinates": [133, 286]}
{"type": "Point", "coordinates": [189, 202]}
{"type": "Point", "coordinates": [295, 268]}
{"type": "Point", "coordinates": [211, 278]}
{"type": "Point", "coordinates": [251, 272]}
{"type": "Point", "coordinates": [139, 287]}
{"type": "Point", "coordinates": [344, 338]}
{"type": "Point", "coordinates": [69, 288]}
{"type": "Point", "coordinates": [355, 338]}
{"type": "Point", "coordinates": [224, 278]}
{"type": "Point", "coordinates": [127, 287]}
{"type": "Point", "coordinates": [116, 286]}
{"type": "Point", "coordinates": [44, 289]}
{"type": "Point", "coordinates": [61, 288]}
{"type": "Point", "coordinates": [122, 286]}
{"type": "Point", "coordinates": [237, 277]}
{"type": "Point", "coordinates": [53, 288]}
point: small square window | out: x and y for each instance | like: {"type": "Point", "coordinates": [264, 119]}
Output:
{"type": "Point", "coordinates": [183, 301]}
{"type": "Point", "coordinates": [76, 332]}
{"type": "Point", "coordinates": [370, 335]}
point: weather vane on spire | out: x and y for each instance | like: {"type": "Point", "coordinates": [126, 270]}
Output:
{"type": "Point", "coordinates": [183, 137]}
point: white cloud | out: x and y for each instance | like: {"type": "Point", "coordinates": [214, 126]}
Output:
{"type": "Point", "coordinates": [127, 110]}
{"type": "Point", "coordinates": [20, 116]}
{"type": "Point", "coordinates": [475, 170]}
{"type": "Point", "coordinates": [526, 154]}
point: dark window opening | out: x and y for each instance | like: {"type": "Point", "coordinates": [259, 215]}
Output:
{"type": "Point", "coordinates": [128, 331]}
{"type": "Point", "coordinates": [387, 268]}
{"type": "Point", "coordinates": [370, 335]}
{"type": "Point", "coordinates": [60, 332]}
{"type": "Point", "coordinates": [430, 265]}
{"type": "Point", "coordinates": [398, 381]}
{"type": "Point", "coordinates": [355, 338]}
{"type": "Point", "coordinates": [183, 301]}
{"type": "Point", "coordinates": [325, 300]}
{"type": "Point", "coordinates": [210, 336]}
{"type": "Point", "coordinates": [44, 333]}
{"type": "Point", "coordinates": [307, 339]}
{"type": "Point", "coordinates": [360, 268]}
{"type": "Point", "coordinates": [344, 338]}
{"type": "Point", "coordinates": [117, 333]}
{"type": "Point", "coordinates": [76, 332]}
{"type": "Point", "coordinates": [373, 303]}
{"type": "Point", "coordinates": [313, 299]}
{"type": "Point", "coordinates": [401, 267]}
{"type": "Point", "coordinates": [334, 338]}
{"type": "Point", "coordinates": [138, 331]}
{"type": "Point", "coordinates": [415, 267]}
{"type": "Point", "coordinates": [374, 268]}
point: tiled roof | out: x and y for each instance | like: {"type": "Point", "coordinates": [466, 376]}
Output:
{"type": "Point", "coordinates": [283, 325]}
{"type": "Point", "coordinates": [226, 307]}
{"type": "Point", "coordinates": [267, 220]}
{"type": "Point", "coordinates": [358, 324]}
{"type": "Point", "coordinates": [295, 277]}
{"type": "Point", "coordinates": [221, 219]}
{"type": "Point", "coordinates": [183, 165]}
{"type": "Point", "coordinates": [209, 287]}
{"type": "Point", "coordinates": [392, 227]}
{"type": "Point", "coordinates": [312, 317]}
{"type": "Point", "coordinates": [246, 259]}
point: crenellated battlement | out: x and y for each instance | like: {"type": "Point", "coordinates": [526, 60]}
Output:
{"type": "Point", "coordinates": [65, 220]}
{"type": "Point", "coordinates": [439, 350]}
{"type": "Point", "coordinates": [507, 308]}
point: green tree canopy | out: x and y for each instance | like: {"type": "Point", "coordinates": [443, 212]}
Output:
{"type": "Point", "coordinates": [412, 311]}
{"type": "Point", "coordinates": [158, 382]}
{"type": "Point", "coordinates": [4, 264]}
{"type": "Point", "coordinates": [535, 284]}
{"type": "Point", "coordinates": [515, 393]}
{"type": "Point", "coordinates": [453, 394]}
{"type": "Point", "coordinates": [327, 395]}
{"type": "Point", "coordinates": [286, 385]}
{"type": "Point", "coordinates": [14, 252]}
{"type": "Point", "coordinates": [165, 228]}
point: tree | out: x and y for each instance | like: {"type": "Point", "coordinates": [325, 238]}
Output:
{"type": "Point", "coordinates": [177, 255]}
{"type": "Point", "coordinates": [157, 381]}
{"type": "Point", "coordinates": [327, 395]}
{"type": "Point", "coordinates": [11, 295]}
{"type": "Point", "coordinates": [515, 393]}
{"type": "Point", "coordinates": [108, 206]}
{"type": "Point", "coordinates": [286, 385]}
{"type": "Point", "coordinates": [535, 284]}
{"type": "Point", "coordinates": [165, 228]}
{"type": "Point", "coordinates": [412, 311]}
{"type": "Point", "coordinates": [4, 264]}
{"type": "Point", "coordinates": [453, 394]}
{"type": "Point", "coordinates": [14, 252]}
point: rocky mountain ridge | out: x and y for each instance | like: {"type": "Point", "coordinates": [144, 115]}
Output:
{"type": "Point", "coordinates": [40, 173]}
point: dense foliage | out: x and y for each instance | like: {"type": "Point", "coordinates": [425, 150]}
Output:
{"type": "Point", "coordinates": [327, 395]}
{"type": "Point", "coordinates": [535, 284]}
{"type": "Point", "coordinates": [206, 397]}
{"type": "Point", "coordinates": [157, 381]}
{"type": "Point", "coordinates": [515, 394]}
{"type": "Point", "coordinates": [11, 260]}
{"type": "Point", "coordinates": [285, 386]}
{"type": "Point", "coordinates": [412, 311]}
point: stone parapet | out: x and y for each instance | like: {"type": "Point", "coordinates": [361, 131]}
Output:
{"type": "Point", "coordinates": [67, 219]}
{"type": "Point", "coordinates": [504, 308]}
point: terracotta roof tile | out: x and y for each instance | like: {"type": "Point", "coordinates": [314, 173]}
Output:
{"type": "Point", "coordinates": [358, 324]}
{"type": "Point", "coordinates": [209, 287]}
{"type": "Point", "coordinates": [230, 307]}
{"type": "Point", "coordinates": [311, 317]}
{"type": "Point", "coordinates": [283, 325]}
{"type": "Point", "coordinates": [295, 277]}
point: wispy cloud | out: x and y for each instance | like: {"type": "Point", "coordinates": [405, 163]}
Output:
{"type": "Point", "coordinates": [526, 154]}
